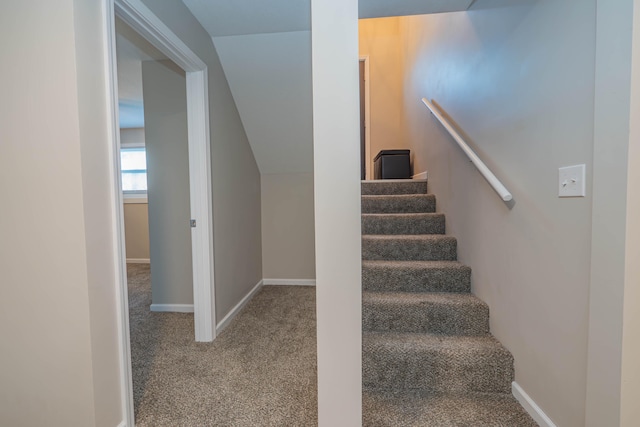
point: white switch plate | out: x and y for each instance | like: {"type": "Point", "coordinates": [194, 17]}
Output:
{"type": "Point", "coordinates": [572, 181]}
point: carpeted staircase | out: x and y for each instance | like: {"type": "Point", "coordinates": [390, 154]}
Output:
{"type": "Point", "coordinates": [428, 356]}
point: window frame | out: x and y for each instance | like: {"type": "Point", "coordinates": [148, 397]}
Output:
{"type": "Point", "coordinates": [132, 196]}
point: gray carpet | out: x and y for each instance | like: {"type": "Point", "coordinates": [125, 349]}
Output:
{"type": "Point", "coordinates": [428, 358]}
{"type": "Point", "coordinates": [261, 371]}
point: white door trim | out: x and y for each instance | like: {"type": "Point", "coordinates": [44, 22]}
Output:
{"type": "Point", "coordinates": [145, 22]}
{"type": "Point", "coordinates": [367, 119]}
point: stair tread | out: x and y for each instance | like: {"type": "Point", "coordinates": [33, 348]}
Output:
{"type": "Point", "coordinates": [392, 215]}
{"type": "Point", "coordinates": [397, 196]}
{"type": "Point", "coordinates": [420, 298]}
{"type": "Point", "coordinates": [438, 313]}
{"type": "Point", "coordinates": [416, 276]}
{"type": "Point", "coordinates": [435, 362]}
{"type": "Point", "coordinates": [384, 408]}
{"type": "Point", "coordinates": [410, 186]}
{"type": "Point", "coordinates": [403, 223]}
{"type": "Point", "coordinates": [409, 247]}
{"type": "Point", "coordinates": [408, 342]}
{"type": "Point", "coordinates": [397, 203]}
{"type": "Point", "coordinates": [416, 264]}
{"type": "Point", "coordinates": [411, 237]}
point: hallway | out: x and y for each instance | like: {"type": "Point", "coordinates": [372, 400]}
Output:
{"type": "Point", "coordinates": [261, 370]}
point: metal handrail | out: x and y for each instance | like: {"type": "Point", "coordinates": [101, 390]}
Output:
{"type": "Point", "coordinates": [484, 170]}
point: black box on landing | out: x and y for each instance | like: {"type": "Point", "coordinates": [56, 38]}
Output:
{"type": "Point", "coordinates": [392, 164]}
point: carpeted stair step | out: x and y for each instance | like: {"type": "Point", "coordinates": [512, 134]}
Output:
{"type": "Point", "coordinates": [423, 247]}
{"type": "Point", "coordinates": [407, 223]}
{"type": "Point", "coordinates": [405, 203]}
{"type": "Point", "coordinates": [416, 276]}
{"type": "Point", "coordinates": [394, 186]}
{"type": "Point", "coordinates": [437, 363]}
{"type": "Point", "coordinates": [382, 408]}
{"type": "Point", "coordinates": [436, 313]}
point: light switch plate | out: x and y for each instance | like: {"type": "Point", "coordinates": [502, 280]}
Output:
{"type": "Point", "coordinates": [572, 181]}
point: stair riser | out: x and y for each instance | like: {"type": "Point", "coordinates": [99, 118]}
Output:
{"type": "Point", "coordinates": [436, 371]}
{"type": "Point", "coordinates": [381, 188]}
{"type": "Point", "coordinates": [426, 318]}
{"type": "Point", "coordinates": [409, 249]}
{"type": "Point", "coordinates": [403, 224]}
{"type": "Point", "coordinates": [418, 280]}
{"type": "Point", "coordinates": [401, 204]}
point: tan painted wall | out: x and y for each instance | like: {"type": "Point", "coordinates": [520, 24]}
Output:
{"type": "Point", "coordinates": [46, 375]}
{"type": "Point", "coordinates": [524, 97]}
{"type": "Point", "coordinates": [288, 237]}
{"type": "Point", "coordinates": [380, 40]}
{"type": "Point", "coordinates": [136, 225]}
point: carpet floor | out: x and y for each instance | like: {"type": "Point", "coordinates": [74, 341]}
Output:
{"type": "Point", "coordinates": [260, 371]}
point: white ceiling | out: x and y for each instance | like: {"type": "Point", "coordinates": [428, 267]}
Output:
{"type": "Point", "coordinates": [239, 17]}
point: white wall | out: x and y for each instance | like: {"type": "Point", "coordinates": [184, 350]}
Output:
{"type": "Point", "coordinates": [337, 211]}
{"type": "Point", "coordinates": [46, 372]}
{"type": "Point", "coordinates": [519, 82]}
{"type": "Point", "coordinates": [270, 78]}
{"type": "Point", "coordinates": [166, 142]}
{"type": "Point", "coordinates": [288, 241]}
{"type": "Point", "coordinates": [235, 175]}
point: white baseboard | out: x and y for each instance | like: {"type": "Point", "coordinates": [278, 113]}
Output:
{"type": "Point", "coordinates": [123, 424]}
{"type": "Point", "coordinates": [172, 308]}
{"type": "Point", "coordinates": [138, 261]}
{"type": "Point", "coordinates": [221, 325]}
{"type": "Point", "coordinates": [530, 406]}
{"type": "Point", "coordinates": [289, 282]}
{"type": "Point", "coordinates": [421, 175]}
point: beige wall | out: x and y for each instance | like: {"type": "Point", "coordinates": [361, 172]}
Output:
{"type": "Point", "coordinates": [288, 226]}
{"type": "Point", "coordinates": [524, 97]}
{"type": "Point", "coordinates": [60, 360]}
{"type": "Point", "coordinates": [235, 175]}
{"type": "Point", "coordinates": [380, 40]}
{"type": "Point", "coordinates": [166, 142]}
{"type": "Point", "coordinates": [136, 230]}
{"type": "Point", "coordinates": [46, 372]}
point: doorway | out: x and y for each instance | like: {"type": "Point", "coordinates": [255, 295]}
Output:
{"type": "Point", "coordinates": [366, 164]}
{"type": "Point", "coordinates": [136, 15]}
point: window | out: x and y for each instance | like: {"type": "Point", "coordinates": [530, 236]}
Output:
{"type": "Point", "coordinates": [133, 164]}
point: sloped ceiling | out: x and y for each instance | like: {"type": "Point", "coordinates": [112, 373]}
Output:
{"type": "Point", "coordinates": [270, 78]}
{"type": "Point", "coordinates": [239, 17]}
{"type": "Point", "coordinates": [265, 50]}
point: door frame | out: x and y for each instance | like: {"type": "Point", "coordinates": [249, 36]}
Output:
{"type": "Point", "coordinates": [149, 26]}
{"type": "Point", "coordinates": [367, 119]}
